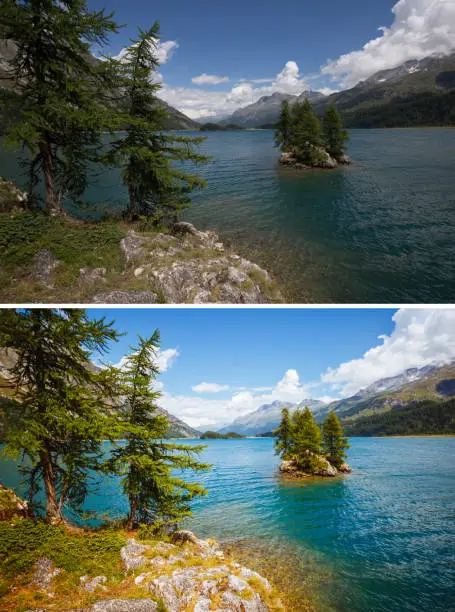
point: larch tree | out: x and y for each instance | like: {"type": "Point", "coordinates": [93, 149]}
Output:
{"type": "Point", "coordinates": [150, 465]}
{"type": "Point", "coordinates": [283, 435]}
{"type": "Point", "coordinates": [151, 159]}
{"type": "Point", "coordinates": [334, 442]}
{"type": "Point", "coordinates": [65, 402]}
{"type": "Point", "coordinates": [283, 128]}
{"type": "Point", "coordinates": [335, 135]}
{"type": "Point", "coordinates": [57, 92]}
{"type": "Point", "coordinates": [306, 441]}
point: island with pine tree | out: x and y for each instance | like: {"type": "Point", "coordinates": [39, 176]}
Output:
{"type": "Point", "coordinates": [308, 450]}
{"type": "Point", "coordinates": [306, 142]}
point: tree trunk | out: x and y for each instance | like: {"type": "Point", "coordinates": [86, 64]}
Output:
{"type": "Point", "coordinates": [131, 213]}
{"type": "Point", "coordinates": [132, 514]}
{"type": "Point", "coordinates": [53, 512]}
{"type": "Point", "coordinates": [53, 205]}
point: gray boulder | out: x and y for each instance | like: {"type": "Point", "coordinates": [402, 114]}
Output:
{"type": "Point", "coordinates": [125, 605]}
{"type": "Point", "coordinates": [43, 573]}
{"type": "Point", "coordinates": [91, 584]}
{"type": "Point", "coordinates": [125, 297]}
{"type": "Point", "coordinates": [132, 556]}
{"type": "Point", "coordinates": [44, 264]}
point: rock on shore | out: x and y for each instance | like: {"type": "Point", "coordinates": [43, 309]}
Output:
{"type": "Point", "coordinates": [188, 574]}
{"type": "Point", "coordinates": [186, 267]}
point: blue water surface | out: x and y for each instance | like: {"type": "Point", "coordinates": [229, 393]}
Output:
{"type": "Point", "coordinates": [384, 536]}
{"type": "Point", "coordinates": [380, 231]}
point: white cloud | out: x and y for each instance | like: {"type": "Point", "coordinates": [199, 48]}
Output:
{"type": "Point", "coordinates": [199, 103]}
{"type": "Point", "coordinates": [202, 412]}
{"type": "Point", "coordinates": [420, 337]}
{"type": "Point", "coordinates": [420, 28]}
{"type": "Point", "coordinates": [209, 79]}
{"type": "Point", "coordinates": [164, 51]}
{"type": "Point", "coordinates": [164, 359]}
{"type": "Point", "coordinates": [209, 388]}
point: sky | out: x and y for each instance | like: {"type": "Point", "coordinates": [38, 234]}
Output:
{"type": "Point", "coordinates": [220, 363]}
{"type": "Point", "coordinates": [219, 56]}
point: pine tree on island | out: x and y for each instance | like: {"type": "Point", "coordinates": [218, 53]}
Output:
{"type": "Point", "coordinates": [334, 442]}
{"type": "Point", "coordinates": [149, 464]}
{"type": "Point", "coordinates": [306, 450]}
{"type": "Point", "coordinates": [335, 135]}
{"type": "Point", "coordinates": [305, 142]}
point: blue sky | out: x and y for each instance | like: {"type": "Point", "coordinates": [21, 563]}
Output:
{"type": "Point", "coordinates": [220, 363]}
{"type": "Point", "coordinates": [319, 45]}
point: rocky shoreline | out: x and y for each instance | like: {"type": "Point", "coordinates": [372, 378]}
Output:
{"type": "Point", "coordinates": [182, 266]}
{"type": "Point", "coordinates": [178, 573]}
{"type": "Point", "coordinates": [325, 161]}
{"type": "Point", "coordinates": [324, 468]}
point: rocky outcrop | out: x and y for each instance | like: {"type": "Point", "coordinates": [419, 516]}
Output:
{"type": "Point", "coordinates": [11, 197]}
{"type": "Point", "coordinates": [44, 572]}
{"type": "Point", "coordinates": [187, 267]}
{"type": "Point", "coordinates": [319, 467]}
{"type": "Point", "coordinates": [324, 160]}
{"type": "Point", "coordinates": [12, 506]}
{"type": "Point", "coordinates": [44, 264]}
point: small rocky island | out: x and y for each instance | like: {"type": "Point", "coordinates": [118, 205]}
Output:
{"type": "Point", "coordinates": [308, 450]}
{"type": "Point", "coordinates": [306, 142]}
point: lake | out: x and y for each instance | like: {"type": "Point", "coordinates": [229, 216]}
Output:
{"type": "Point", "coordinates": [380, 231]}
{"type": "Point", "coordinates": [380, 539]}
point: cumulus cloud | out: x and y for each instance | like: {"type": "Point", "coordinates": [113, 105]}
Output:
{"type": "Point", "coordinates": [209, 79]}
{"type": "Point", "coordinates": [209, 388]}
{"type": "Point", "coordinates": [199, 103]}
{"type": "Point", "coordinates": [164, 51]}
{"type": "Point", "coordinates": [420, 28]}
{"type": "Point", "coordinates": [164, 359]}
{"type": "Point", "coordinates": [420, 337]}
{"type": "Point", "coordinates": [204, 412]}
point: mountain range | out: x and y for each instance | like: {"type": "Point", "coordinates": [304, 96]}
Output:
{"type": "Point", "coordinates": [434, 384]}
{"type": "Point", "coordinates": [418, 92]}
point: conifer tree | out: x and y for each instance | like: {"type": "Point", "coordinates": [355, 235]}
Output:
{"type": "Point", "coordinates": [283, 127]}
{"type": "Point", "coordinates": [57, 91]}
{"type": "Point", "coordinates": [334, 442]}
{"type": "Point", "coordinates": [283, 435]}
{"type": "Point", "coordinates": [64, 401]}
{"type": "Point", "coordinates": [335, 136]}
{"type": "Point", "coordinates": [307, 435]}
{"type": "Point", "coordinates": [158, 187]}
{"type": "Point", "coordinates": [148, 463]}
{"type": "Point", "coordinates": [306, 132]}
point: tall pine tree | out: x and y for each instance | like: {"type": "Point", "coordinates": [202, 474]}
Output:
{"type": "Point", "coordinates": [158, 187]}
{"type": "Point", "coordinates": [150, 465]}
{"type": "Point", "coordinates": [283, 435]}
{"type": "Point", "coordinates": [307, 435]}
{"type": "Point", "coordinates": [335, 136]}
{"type": "Point", "coordinates": [65, 402]}
{"type": "Point", "coordinates": [57, 91]}
{"type": "Point", "coordinates": [334, 442]}
{"type": "Point", "coordinates": [283, 127]}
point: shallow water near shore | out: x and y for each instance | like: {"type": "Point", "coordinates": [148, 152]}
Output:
{"type": "Point", "coordinates": [380, 231]}
{"type": "Point", "coordinates": [381, 539]}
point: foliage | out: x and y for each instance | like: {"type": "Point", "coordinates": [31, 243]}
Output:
{"type": "Point", "coordinates": [157, 188]}
{"type": "Point", "coordinates": [283, 128]}
{"type": "Point", "coordinates": [22, 543]}
{"type": "Point", "coordinates": [59, 101]}
{"type": "Point", "coordinates": [306, 138]}
{"type": "Point", "coordinates": [335, 136]}
{"type": "Point", "coordinates": [146, 461]}
{"type": "Point", "coordinates": [418, 418]}
{"type": "Point", "coordinates": [284, 434]}
{"type": "Point", "coordinates": [306, 434]}
{"type": "Point", "coordinates": [64, 403]}
{"type": "Point", "coordinates": [334, 442]}
{"type": "Point", "coordinates": [214, 435]}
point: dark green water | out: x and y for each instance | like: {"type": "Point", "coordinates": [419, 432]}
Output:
{"type": "Point", "coordinates": [380, 231]}
{"type": "Point", "coordinates": [381, 539]}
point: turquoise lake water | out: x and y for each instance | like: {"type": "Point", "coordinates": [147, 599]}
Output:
{"type": "Point", "coordinates": [380, 539]}
{"type": "Point", "coordinates": [380, 231]}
